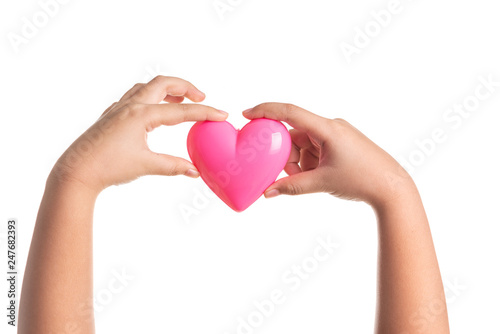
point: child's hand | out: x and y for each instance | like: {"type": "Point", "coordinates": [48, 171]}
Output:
{"type": "Point", "coordinates": [332, 156]}
{"type": "Point", "coordinates": [114, 150]}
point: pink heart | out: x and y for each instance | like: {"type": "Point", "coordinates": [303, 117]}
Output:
{"type": "Point", "coordinates": [238, 165]}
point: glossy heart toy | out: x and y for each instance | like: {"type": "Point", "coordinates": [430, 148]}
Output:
{"type": "Point", "coordinates": [238, 165]}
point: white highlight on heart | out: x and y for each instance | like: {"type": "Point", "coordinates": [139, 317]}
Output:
{"type": "Point", "coordinates": [276, 142]}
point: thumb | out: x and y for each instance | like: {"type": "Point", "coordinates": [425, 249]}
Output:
{"type": "Point", "coordinates": [164, 164]}
{"type": "Point", "coordinates": [297, 184]}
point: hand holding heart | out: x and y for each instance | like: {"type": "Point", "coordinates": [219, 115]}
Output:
{"type": "Point", "coordinates": [114, 149]}
{"type": "Point", "coordinates": [332, 156]}
{"type": "Point", "coordinates": [323, 155]}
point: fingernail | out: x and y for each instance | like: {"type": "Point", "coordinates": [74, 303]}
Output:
{"type": "Point", "coordinates": [222, 112]}
{"type": "Point", "coordinates": [192, 173]}
{"type": "Point", "coordinates": [247, 111]}
{"type": "Point", "coordinates": [271, 193]}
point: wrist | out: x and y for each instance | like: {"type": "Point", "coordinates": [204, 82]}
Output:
{"type": "Point", "coordinates": [396, 193]}
{"type": "Point", "coordinates": [61, 179]}
{"type": "Point", "coordinates": [74, 169]}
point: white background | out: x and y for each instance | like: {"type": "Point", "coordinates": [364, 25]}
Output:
{"type": "Point", "coordinates": [200, 274]}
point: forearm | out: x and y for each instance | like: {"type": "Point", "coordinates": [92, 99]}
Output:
{"type": "Point", "coordinates": [57, 289]}
{"type": "Point", "coordinates": [410, 292]}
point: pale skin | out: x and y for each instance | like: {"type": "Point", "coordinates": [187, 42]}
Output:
{"type": "Point", "coordinates": [329, 156]}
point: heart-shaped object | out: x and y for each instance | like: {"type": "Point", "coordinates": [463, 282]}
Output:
{"type": "Point", "coordinates": [238, 165]}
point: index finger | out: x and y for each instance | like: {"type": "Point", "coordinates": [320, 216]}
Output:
{"type": "Point", "coordinates": [160, 87]}
{"type": "Point", "coordinates": [297, 117]}
{"type": "Point", "coordinates": [175, 113]}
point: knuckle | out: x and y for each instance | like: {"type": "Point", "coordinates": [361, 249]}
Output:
{"type": "Point", "coordinates": [109, 110]}
{"type": "Point", "coordinates": [186, 84]}
{"type": "Point", "coordinates": [293, 189]}
{"type": "Point", "coordinates": [158, 79]}
{"type": "Point", "coordinates": [186, 110]}
{"type": "Point", "coordinates": [161, 79]}
{"type": "Point", "coordinates": [339, 120]}
{"type": "Point", "coordinates": [174, 169]}
{"type": "Point", "coordinates": [136, 108]}
{"type": "Point", "coordinates": [289, 110]}
{"type": "Point", "coordinates": [138, 87]}
{"type": "Point", "coordinates": [263, 107]}
{"type": "Point", "coordinates": [260, 107]}
{"type": "Point", "coordinates": [338, 124]}
{"type": "Point", "coordinates": [132, 110]}
{"type": "Point", "coordinates": [322, 185]}
{"type": "Point", "coordinates": [289, 107]}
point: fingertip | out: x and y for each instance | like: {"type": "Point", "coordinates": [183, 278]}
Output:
{"type": "Point", "coordinates": [200, 96]}
{"type": "Point", "coordinates": [248, 113]}
{"type": "Point", "coordinates": [270, 193]}
{"type": "Point", "coordinates": [222, 113]}
{"type": "Point", "coordinates": [195, 95]}
{"type": "Point", "coordinates": [192, 173]}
